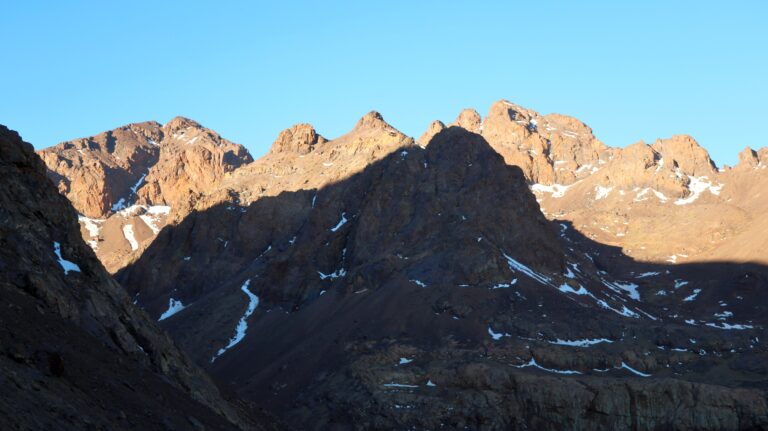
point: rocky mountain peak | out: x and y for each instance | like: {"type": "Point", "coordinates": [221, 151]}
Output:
{"type": "Point", "coordinates": [180, 123]}
{"type": "Point", "coordinates": [748, 158]}
{"type": "Point", "coordinates": [510, 111]}
{"type": "Point", "coordinates": [371, 121]}
{"type": "Point", "coordinates": [469, 119]}
{"type": "Point", "coordinates": [687, 154]}
{"type": "Point", "coordinates": [434, 128]}
{"type": "Point", "coordinates": [298, 139]}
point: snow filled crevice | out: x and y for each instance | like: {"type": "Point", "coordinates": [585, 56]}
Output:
{"type": "Point", "coordinates": [341, 222]}
{"type": "Point", "coordinates": [532, 363]}
{"type": "Point", "coordinates": [514, 265]}
{"type": "Point", "coordinates": [624, 366]}
{"type": "Point", "coordinates": [174, 307]}
{"type": "Point", "coordinates": [242, 325]}
{"type": "Point", "coordinates": [123, 202]}
{"type": "Point", "coordinates": [580, 343]}
{"type": "Point", "coordinates": [130, 237]}
{"type": "Point", "coordinates": [66, 265]}
{"type": "Point", "coordinates": [623, 287]}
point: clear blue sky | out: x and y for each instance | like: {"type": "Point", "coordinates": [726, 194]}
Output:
{"type": "Point", "coordinates": [631, 70]}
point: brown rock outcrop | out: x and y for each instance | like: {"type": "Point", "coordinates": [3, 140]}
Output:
{"type": "Point", "coordinates": [298, 139]}
{"type": "Point", "coordinates": [125, 182]}
{"type": "Point", "coordinates": [143, 163]}
{"type": "Point", "coordinates": [434, 128]}
{"type": "Point", "coordinates": [469, 119]}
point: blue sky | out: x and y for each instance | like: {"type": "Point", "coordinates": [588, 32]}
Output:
{"type": "Point", "coordinates": [630, 70]}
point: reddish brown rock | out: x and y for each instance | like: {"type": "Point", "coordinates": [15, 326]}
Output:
{"type": "Point", "coordinates": [298, 139]}
{"type": "Point", "coordinates": [435, 127]}
{"type": "Point", "coordinates": [469, 119]}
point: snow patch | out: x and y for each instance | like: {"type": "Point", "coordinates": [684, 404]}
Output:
{"type": "Point", "coordinates": [692, 296]}
{"type": "Point", "coordinates": [632, 370]}
{"type": "Point", "coordinates": [399, 385]}
{"type": "Point", "coordinates": [242, 325]}
{"type": "Point", "coordinates": [341, 222]}
{"type": "Point", "coordinates": [532, 363]}
{"type": "Point", "coordinates": [517, 266]}
{"type": "Point", "coordinates": [728, 326]}
{"type": "Point", "coordinates": [602, 192]}
{"type": "Point", "coordinates": [557, 190]}
{"type": "Point", "coordinates": [697, 186]}
{"type": "Point", "coordinates": [496, 335]}
{"type": "Point", "coordinates": [174, 307]}
{"type": "Point", "coordinates": [93, 226]}
{"type": "Point", "coordinates": [66, 265]}
{"type": "Point", "coordinates": [334, 275]}
{"type": "Point", "coordinates": [581, 343]}
{"type": "Point", "coordinates": [619, 286]}
{"type": "Point", "coordinates": [568, 289]}
{"type": "Point", "coordinates": [128, 234]}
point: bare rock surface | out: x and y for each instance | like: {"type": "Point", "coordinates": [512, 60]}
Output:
{"type": "Point", "coordinates": [126, 181]}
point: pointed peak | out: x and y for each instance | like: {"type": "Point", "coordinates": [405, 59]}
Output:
{"type": "Point", "coordinates": [180, 123]}
{"type": "Point", "coordinates": [299, 138]}
{"type": "Point", "coordinates": [469, 119]}
{"type": "Point", "coordinates": [511, 110]}
{"type": "Point", "coordinates": [434, 128]}
{"type": "Point", "coordinates": [748, 158]}
{"type": "Point", "coordinates": [371, 120]}
{"type": "Point", "coordinates": [689, 155]}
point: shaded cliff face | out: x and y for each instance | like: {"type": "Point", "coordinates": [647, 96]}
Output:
{"type": "Point", "coordinates": [74, 352]}
{"type": "Point", "coordinates": [426, 288]}
{"type": "Point", "coordinates": [125, 182]}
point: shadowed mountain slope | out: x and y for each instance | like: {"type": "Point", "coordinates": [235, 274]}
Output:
{"type": "Point", "coordinates": [428, 290]}
{"type": "Point", "coordinates": [74, 352]}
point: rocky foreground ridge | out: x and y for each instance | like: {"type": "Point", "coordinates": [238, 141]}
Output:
{"type": "Point", "coordinates": [75, 353]}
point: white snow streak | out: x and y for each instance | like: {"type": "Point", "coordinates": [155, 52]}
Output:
{"type": "Point", "coordinates": [66, 265]}
{"type": "Point", "coordinates": [557, 190]}
{"type": "Point", "coordinates": [174, 307]}
{"type": "Point", "coordinates": [532, 363]}
{"type": "Point", "coordinates": [341, 223]}
{"type": "Point", "coordinates": [128, 233]}
{"type": "Point", "coordinates": [242, 325]}
{"type": "Point", "coordinates": [581, 343]}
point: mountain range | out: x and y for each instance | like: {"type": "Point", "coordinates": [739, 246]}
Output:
{"type": "Point", "coordinates": [505, 272]}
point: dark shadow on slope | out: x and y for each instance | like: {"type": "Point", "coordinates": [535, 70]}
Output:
{"type": "Point", "coordinates": [407, 258]}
